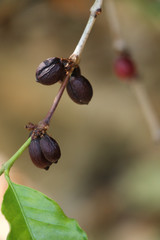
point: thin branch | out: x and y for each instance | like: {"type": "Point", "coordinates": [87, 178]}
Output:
{"type": "Point", "coordinates": [7, 165]}
{"type": "Point", "coordinates": [111, 14]}
{"type": "Point", "coordinates": [147, 110]}
{"type": "Point", "coordinates": [57, 99]}
{"type": "Point", "coordinates": [94, 12]}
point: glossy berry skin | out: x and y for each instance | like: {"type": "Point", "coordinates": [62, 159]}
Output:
{"type": "Point", "coordinates": [50, 148]}
{"type": "Point", "coordinates": [124, 67]}
{"type": "Point", "coordinates": [50, 71]}
{"type": "Point", "coordinates": [36, 154]}
{"type": "Point", "coordinates": [79, 89]}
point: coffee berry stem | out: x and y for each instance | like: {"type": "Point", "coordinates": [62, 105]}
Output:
{"type": "Point", "coordinates": [49, 115]}
{"type": "Point", "coordinates": [95, 10]}
{"type": "Point", "coordinates": [7, 165]}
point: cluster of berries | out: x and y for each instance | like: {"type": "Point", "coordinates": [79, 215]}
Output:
{"type": "Point", "coordinates": [43, 149]}
{"type": "Point", "coordinates": [53, 70]}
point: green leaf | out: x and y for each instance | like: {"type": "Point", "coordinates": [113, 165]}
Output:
{"type": "Point", "coordinates": [32, 215]}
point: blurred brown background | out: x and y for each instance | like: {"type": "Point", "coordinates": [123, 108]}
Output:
{"type": "Point", "coordinates": [108, 177]}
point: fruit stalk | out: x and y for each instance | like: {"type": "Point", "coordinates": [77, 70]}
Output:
{"type": "Point", "coordinates": [49, 115]}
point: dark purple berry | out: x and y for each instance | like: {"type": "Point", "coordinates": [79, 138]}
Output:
{"type": "Point", "coordinates": [36, 154]}
{"type": "Point", "coordinates": [50, 148]}
{"type": "Point", "coordinates": [79, 89]}
{"type": "Point", "coordinates": [124, 67]}
{"type": "Point", "coordinates": [50, 71]}
{"type": "Point", "coordinates": [76, 72]}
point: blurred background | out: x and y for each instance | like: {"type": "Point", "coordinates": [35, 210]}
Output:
{"type": "Point", "coordinates": [108, 177]}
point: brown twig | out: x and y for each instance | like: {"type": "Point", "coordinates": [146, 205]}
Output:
{"type": "Point", "coordinates": [48, 117]}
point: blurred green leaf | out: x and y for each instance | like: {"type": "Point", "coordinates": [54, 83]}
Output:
{"type": "Point", "coordinates": [151, 7]}
{"type": "Point", "coordinates": [32, 215]}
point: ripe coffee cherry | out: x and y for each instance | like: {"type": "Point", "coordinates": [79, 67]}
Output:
{"type": "Point", "coordinates": [79, 89]}
{"type": "Point", "coordinates": [50, 148]}
{"type": "Point", "coordinates": [124, 67]}
{"type": "Point", "coordinates": [50, 71]}
{"type": "Point", "coordinates": [37, 156]}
